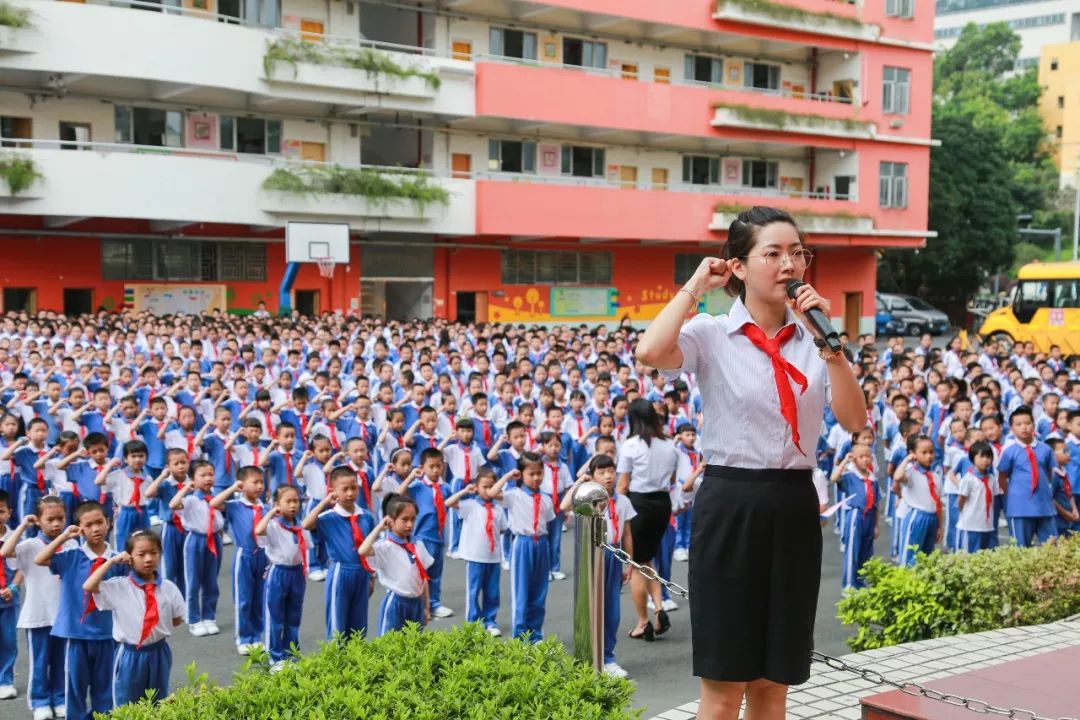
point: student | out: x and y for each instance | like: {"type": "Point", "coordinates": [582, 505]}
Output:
{"type": "Point", "coordinates": [173, 534]}
{"type": "Point", "coordinates": [343, 525]}
{"type": "Point", "coordinates": [243, 508]}
{"type": "Point", "coordinates": [617, 534]}
{"type": "Point", "coordinates": [975, 527]}
{"type": "Point", "coordinates": [505, 459]}
{"type": "Point", "coordinates": [691, 465]}
{"type": "Point", "coordinates": [1064, 505]}
{"type": "Point", "coordinates": [152, 432]}
{"type": "Point", "coordinates": [282, 458]}
{"type": "Point", "coordinates": [311, 476]}
{"type": "Point", "coordinates": [430, 497]}
{"type": "Point", "coordinates": [1025, 473]}
{"type": "Point", "coordinates": [483, 523]}
{"type": "Point", "coordinates": [530, 517]}
{"type": "Point", "coordinates": [40, 603]}
{"type": "Point", "coordinates": [126, 487]}
{"type": "Point", "coordinates": [556, 482]}
{"type": "Point", "coordinates": [356, 453]}
{"type": "Point", "coordinates": [855, 473]}
{"type": "Point", "coordinates": [401, 563]}
{"type": "Point", "coordinates": [921, 527]}
{"type": "Point", "coordinates": [10, 579]}
{"type": "Point", "coordinates": [463, 459]}
{"type": "Point", "coordinates": [286, 544]}
{"type": "Point", "coordinates": [145, 608]}
{"type": "Point", "coordinates": [87, 629]}
{"type": "Point", "coordinates": [24, 456]}
{"type": "Point", "coordinates": [202, 548]}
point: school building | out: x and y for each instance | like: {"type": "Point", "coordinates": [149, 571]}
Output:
{"type": "Point", "coordinates": [499, 160]}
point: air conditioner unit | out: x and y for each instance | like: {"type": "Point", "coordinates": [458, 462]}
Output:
{"type": "Point", "coordinates": [896, 123]}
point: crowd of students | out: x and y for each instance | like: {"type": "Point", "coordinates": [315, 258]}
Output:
{"type": "Point", "coordinates": [356, 452]}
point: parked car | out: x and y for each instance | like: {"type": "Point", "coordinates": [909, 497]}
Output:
{"type": "Point", "coordinates": [917, 315]}
{"type": "Point", "coordinates": [885, 323]}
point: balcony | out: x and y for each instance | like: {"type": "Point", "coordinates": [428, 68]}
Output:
{"type": "Point", "coordinates": [826, 218]}
{"type": "Point", "coordinates": [184, 186]}
{"type": "Point", "coordinates": [102, 46]}
{"type": "Point", "coordinates": [835, 19]}
{"type": "Point", "coordinates": [840, 125]}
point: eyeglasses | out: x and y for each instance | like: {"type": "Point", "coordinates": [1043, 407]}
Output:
{"type": "Point", "coordinates": [798, 258]}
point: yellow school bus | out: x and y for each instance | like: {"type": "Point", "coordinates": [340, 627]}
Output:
{"type": "Point", "coordinates": [1045, 308]}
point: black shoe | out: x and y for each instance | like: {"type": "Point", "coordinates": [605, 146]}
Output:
{"type": "Point", "coordinates": [646, 634]}
{"type": "Point", "coordinates": [665, 622]}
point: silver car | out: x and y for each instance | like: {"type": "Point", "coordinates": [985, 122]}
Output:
{"type": "Point", "coordinates": [917, 315]}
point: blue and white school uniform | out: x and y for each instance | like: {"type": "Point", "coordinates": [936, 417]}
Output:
{"type": "Point", "coordinates": [133, 505]}
{"type": "Point", "coordinates": [364, 479]}
{"type": "Point", "coordinates": [556, 482]}
{"type": "Point", "coordinates": [248, 570]}
{"type": "Point", "coordinates": [286, 546]}
{"type": "Point", "coordinates": [173, 535]}
{"type": "Point", "coordinates": [975, 528]}
{"type": "Point", "coordinates": [350, 576]}
{"type": "Point", "coordinates": [142, 663]}
{"type": "Point", "coordinates": [402, 571]}
{"type": "Point", "coordinates": [430, 528]}
{"type": "Point", "coordinates": [313, 479]}
{"type": "Point", "coordinates": [1073, 443]}
{"type": "Point", "coordinates": [280, 469]}
{"type": "Point", "coordinates": [202, 556]}
{"type": "Point", "coordinates": [32, 484]}
{"type": "Point", "coordinates": [462, 463]}
{"type": "Point", "coordinates": [1029, 506]}
{"type": "Point", "coordinates": [483, 523]}
{"type": "Point", "coordinates": [955, 457]}
{"type": "Point", "coordinates": [918, 529]}
{"type": "Point", "coordinates": [530, 515]}
{"type": "Point", "coordinates": [1063, 496]}
{"type": "Point", "coordinates": [213, 446]}
{"type": "Point", "coordinates": [620, 512]}
{"type": "Point", "coordinates": [81, 485]}
{"type": "Point", "coordinates": [861, 521]}
{"type": "Point", "coordinates": [91, 649]}
{"type": "Point", "coordinates": [40, 604]}
{"type": "Point", "coordinates": [9, 615]}
{"type": "Point", "coordinates": [689, 459]}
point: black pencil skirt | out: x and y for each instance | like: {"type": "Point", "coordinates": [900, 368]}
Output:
{"type": "Point", "coordinates": [651, 522]}
{"type": "Point", "coordinates": [755, 568]}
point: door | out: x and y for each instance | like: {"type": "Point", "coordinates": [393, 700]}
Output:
{"type": "Point", "coordinates": [313, 151]}
{"type": "Point", "coordinates": [306, 302]}
{"type": "Point", "coordinates": [311, 29]}
{"type": "Point", "coordinates": [408, 299]}
{"type": "Point", "coordinates": [74, 133]}
{"type": "Point", "coordinates": [466, 307]}
{"type": "Point", "coordinates": [78, 301]}
{"type": "Point", "coordinates": [628, 177]}
{"type": "Point", "coordinates": [462, 50]}
{"type": "Point", "coordinates": [20, 299]}
{"type": "Point", "coordinates": [852, 313]}
{"type": "Point", "coordinates": [845, 186]}
{"type": "Point", "coordinates": [16, 127]}
{"type": "Point", "coordinates": [481, 307]}
{"type": "Point", "coordinates": [659, 178]}
{"type": "Point", "coordinates": [461, 165]}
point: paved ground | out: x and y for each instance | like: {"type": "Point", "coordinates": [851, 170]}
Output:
{"type": "Point", "coordinates": [661, 669]}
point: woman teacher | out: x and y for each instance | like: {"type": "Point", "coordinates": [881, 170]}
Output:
{"type": "Point", "coordinates": [755, 561]}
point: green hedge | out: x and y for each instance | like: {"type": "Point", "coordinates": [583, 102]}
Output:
{"type": "Point", "coordinates": [12, 16]}
{"type": "Point", "coordinates": [960, 593]}
{"type": "Point", "coordinates": [409, 675]}
{"type": "Point", "coordinates": [18, 172]}
{"type": "Point", "coordinates": [374, 184]}
{"type": "Point", "coordinates": [374, 62]}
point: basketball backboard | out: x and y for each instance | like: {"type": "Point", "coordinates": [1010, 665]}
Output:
{"type": "Point", "coordinates": [308, 242]}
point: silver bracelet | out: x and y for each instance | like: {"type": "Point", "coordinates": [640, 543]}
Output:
{"type": "Point", "coordinates": [691, 293]}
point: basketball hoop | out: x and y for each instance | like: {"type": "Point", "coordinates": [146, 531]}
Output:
{"type": "Point", "coordinates": [326, 266]}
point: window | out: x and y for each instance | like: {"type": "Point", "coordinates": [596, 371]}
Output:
{"type": "Point", "coordinates": [172, 260]}
{"type": "Point", "coordinates": [1066, 294]}
{"type": "Point", "coordinates": [531, 267]}
{"type": "Point", "coordinates": [513, 43]}
{"type": "Point", "coordinates": [250, 135]}
{"type": "Point", "coordinates": [74, 133]}
{"type": "Point", "coordinates": [701, 68]}
{"type": "Point", "coordinates": [582, 161]}
{"type": "Point", "coordinates": [584, 53]}
{"type": "Point", "coordinates": [687, 263]}
{"type": "Point", "coordinates": [760, 173]}
{"type": "Point", "coordinates": [1057, 132]}
{"type": "Point", "coordinates": [1061, 101]}
{"type": "Point", "coordinates": [762, 76]}
{"type": "Point", "coordinates": [700, 170]}
{"type": "Point", "coordinates": [511, 156]}
{"type": "Point", "coordinates": [895, 90]}
{"type": "Point", "coordinates": [1053, 63]}
{"type": "Point", "coordinates": [149, 126]}
{"type": "Point", "coordinates": [893, 185]}
{"type": "Point", "coordinates": [900, 8]}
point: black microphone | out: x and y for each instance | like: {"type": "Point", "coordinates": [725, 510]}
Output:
{"type": "Point", "coordinates": [817, 318]}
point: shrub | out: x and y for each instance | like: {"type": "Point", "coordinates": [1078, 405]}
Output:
{"type": "Point", "coordinates": [783, 118]}
{"type": "Point", "coordinates": [374, 62]}
{"type": "Point", "coordinates": [11, 16]}
{"type": "Point", "coordinates": [961, 593]}
{"type": "Point", "coordinates": [19, 172]}
{"type": "Point", "coordinates": [369, 182]}
{"type": "Point", "coordinates": [780, 11]}
{"type": "Point", "coordinates": [409, 675]}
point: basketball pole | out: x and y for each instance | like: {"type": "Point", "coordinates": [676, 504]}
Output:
{"type": "Point", "coordinates": [285, 291]}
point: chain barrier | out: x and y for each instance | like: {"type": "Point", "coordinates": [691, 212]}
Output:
{"type": "Point", "coordinates": [873, 676]}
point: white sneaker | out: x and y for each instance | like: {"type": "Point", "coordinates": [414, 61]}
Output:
{"type": "Point", "coordinates": [681, 555]}
{"type": "Point", "coordinates": [226, 540]}
{"type": "Point", "coordinates": [7, 692]}
{"type": "Point", "coordinates": [442, 612]}
{"type": "Point", "coordinates": [197, 629]}
{"type": "Point", "coordinates": [453, 555]}
{"type": "Point", "coordinates": [277, 667]}
{"type": "Point", "coordinates": [43, 713]}
{"type": "Point", "coordinates": [558, 575]}
{"type": "Point", "coordinates": [155, 521]}
{"type": "Point", "coordinates": [669, 605]}
{"type": "Point", "coordinates": [59, 712]}
{"type": "Point", "coordinates": [243, 649]}
{"type": "Point", "coordinates": [211, 627]}
{"type": "Point", "coordinates": [317, 575]}
{"type": "Point", "coordinates": [506, 565]}
{"type": "Point", "coordinates": [494, 632]}
{"type": "Point", "coordinates": [614, 670]}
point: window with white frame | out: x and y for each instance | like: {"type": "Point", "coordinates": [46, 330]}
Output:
{"type": "Point", "coordinates": [511, 156]}
{"type": "Point", "coordinates": [584, 53]}
{"type": "Point", "coordinates": [700, 170]}
{"type": "Point", "coordinates": [760, 173]}
{"type": "Point", "coordinates": [149, 126]}
{"type": "Point", "coordinates": [893, 185]}
{"type": "Point", "coordinates": [900, 8]}
{"type": "Point", "coordinates": [512, 43]}
{"type": "Point", "coordinates": [761, 76]}
{"type": "Point", "coordinates": [703, 69]}
{"type": "Point", "coordinates": [895, 90]}
{"type": "Point", "coordinates": [582, 161]}
{"type": "Point", "coordinates": [250, 135]}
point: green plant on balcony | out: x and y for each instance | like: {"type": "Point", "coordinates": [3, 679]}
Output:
{"type": "Point", "coordinates": [780, 11]}
{"type": "Point", "coordinates": [375, 62]}
{"type": "Point", "coordinates": [733, 209]}
{"type": "Point", "coordinates": [783, 118]}
{"type": "Point", "coordinates": [15, 17]}
{"type": "Point", "coordinates": [374, 184]}
{"type": "Point", "coordinates": [19, 172]}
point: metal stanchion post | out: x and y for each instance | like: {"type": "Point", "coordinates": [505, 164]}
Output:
{"type": "Point", "coordinates": [590, 504]}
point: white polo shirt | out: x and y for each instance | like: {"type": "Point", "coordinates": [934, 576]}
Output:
{"type": "Point", "coordinates": [476, 546]}
{"type": "Point", "coordinates": [127, 601]}
{"type": "Point", "coordinates": [396, 570]}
